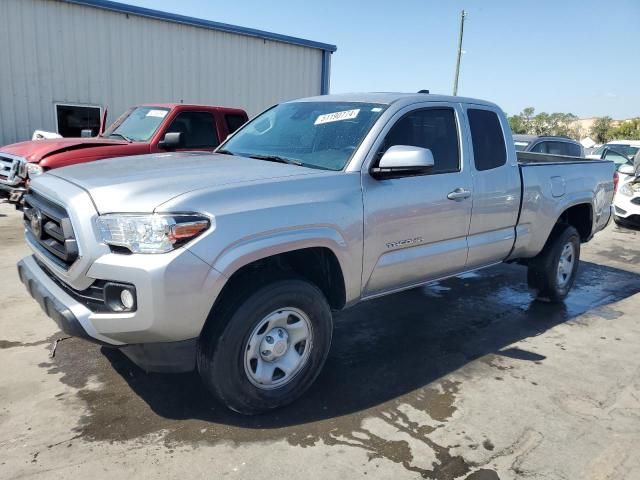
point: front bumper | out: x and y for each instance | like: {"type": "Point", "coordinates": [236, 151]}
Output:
{"type": "Point", "coordinates": [625, 210]}
{"type": "Point", "coordinates": [175, 293]}
{"type": "Point", "coordinates": [154, 337]}
{"type": "Point", "coordinates": [70, 316]}
{"type": "Point", "coordinates": [12, 194]}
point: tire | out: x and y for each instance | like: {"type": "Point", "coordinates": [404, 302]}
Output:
{"type": "Point", "coordinates": [235, 334]}
{"type": "Point", "coordinates": [544, 276]}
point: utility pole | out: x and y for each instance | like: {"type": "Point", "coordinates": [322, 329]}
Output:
{"type": "Point", "coordinates": [455, 81]}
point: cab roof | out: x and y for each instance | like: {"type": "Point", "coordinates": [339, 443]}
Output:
{"type": "Point", "coordinates": [190, 106]}
{"type": "Point", "coordinates": [633, 143]}
{"type": "Point", "coordinates": [389, 98]}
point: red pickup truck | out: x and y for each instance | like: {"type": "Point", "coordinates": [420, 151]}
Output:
{"type": "Point", "coordinates": [142, 129]}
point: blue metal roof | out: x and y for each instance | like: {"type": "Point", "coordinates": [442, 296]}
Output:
{"type": "Point", "coordinates": [199, 22]}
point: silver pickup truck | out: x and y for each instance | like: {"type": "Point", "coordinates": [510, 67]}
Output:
{"type": "Point", "coordinates": [231, 263]}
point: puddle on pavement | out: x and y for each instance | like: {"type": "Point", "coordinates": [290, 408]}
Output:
{"type": "Point", "coordinates": [5, 344]}
{"type": "Point", "coordinates": [388, 365]}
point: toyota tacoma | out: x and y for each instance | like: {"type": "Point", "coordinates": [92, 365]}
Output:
{"type": "Point", "coordinates": [232, 262]}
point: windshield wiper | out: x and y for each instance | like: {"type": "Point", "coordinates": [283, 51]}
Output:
{"type": "Point", "coordinates": [275, 158]}
{"type": "Point", "coordinates": [225, 152]}
{"type": "Point", "coordinates": [120, 135]}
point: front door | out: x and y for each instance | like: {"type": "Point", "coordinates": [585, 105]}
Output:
{"type": "Point", "coordinates": [415, 227]}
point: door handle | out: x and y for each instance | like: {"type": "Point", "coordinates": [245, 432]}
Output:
{"type": "Point", "coordinates": [459, 194]}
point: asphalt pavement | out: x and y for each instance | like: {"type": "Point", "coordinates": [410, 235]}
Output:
{"type": "Point", "coordinates": [469, 378]}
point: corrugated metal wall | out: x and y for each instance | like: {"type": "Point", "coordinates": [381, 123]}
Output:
{"type": "Point", "coordinates": [56, 52]}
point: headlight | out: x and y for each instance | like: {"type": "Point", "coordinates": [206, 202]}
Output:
{"type": "Point", "coordinates": [626, 190]}
{"type": "Point", "coordinates": [33, 169]}
{"type": "Point", "coordinates": [156, 233]}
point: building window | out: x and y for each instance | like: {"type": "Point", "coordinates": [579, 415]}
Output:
{"type": "Point", "coordinates": [73, 119]}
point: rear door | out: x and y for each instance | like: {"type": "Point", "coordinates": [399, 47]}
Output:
{"type": "Point", "coordinates": [496, 187]}
{"type": "Point", "coordinates": [412, 231]}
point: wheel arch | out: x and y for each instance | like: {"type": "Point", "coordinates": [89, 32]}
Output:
{"type": "Point", "coordinates": [316, 255]}
{"type": "Point", "coordinates": [579, 216]}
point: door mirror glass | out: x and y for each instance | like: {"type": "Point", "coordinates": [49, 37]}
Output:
{"type": "Point", "coordinates": [402, 160]}
{"type": "Point", "coordinates": [171, 141]}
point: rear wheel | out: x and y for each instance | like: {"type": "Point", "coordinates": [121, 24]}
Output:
{"type": "Point", "coordinates": [552, 273]}
{"type": "Point", "coordinates": [267, 347]}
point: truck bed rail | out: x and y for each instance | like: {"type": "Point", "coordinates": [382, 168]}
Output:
{"type": "Point", "coordinates": [528, 158]}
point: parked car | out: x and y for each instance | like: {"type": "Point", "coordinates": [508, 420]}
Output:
{"type": "Point", "coordinates": [231, 263]}
{"type": "Point", "coordinates": [627, 198]}
{"type": "Point", "coordinates": [618, 151]}
{"type": "Point", "coordinates": [554, 145]}
{"type": "Point", "coordinates": [140, 130]}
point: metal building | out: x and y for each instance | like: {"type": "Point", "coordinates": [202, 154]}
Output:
{"type": "Point", "coordinates": [66, 60]}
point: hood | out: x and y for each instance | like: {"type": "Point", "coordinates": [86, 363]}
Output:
{"type": "Point", "coordinates": [36, 150]}
{"type": "Point", "coordinates": [142, 183]}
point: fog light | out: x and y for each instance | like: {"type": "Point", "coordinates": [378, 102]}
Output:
{"type": "Point", "coordinates": [127, 299]}
{"type": "Point", "coordinates": [120, 297]}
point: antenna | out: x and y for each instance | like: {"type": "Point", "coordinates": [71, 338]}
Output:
{"type": "Point", "coordinates": [455, 81]}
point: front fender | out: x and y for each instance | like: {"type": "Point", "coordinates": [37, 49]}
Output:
{"type": "Point", "coordinates": [243, 252]}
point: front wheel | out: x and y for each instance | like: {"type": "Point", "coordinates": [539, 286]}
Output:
{"type": "Point", "coordinates": [267, 348]}
{"type": "Point", "coordinates": [552, 273]}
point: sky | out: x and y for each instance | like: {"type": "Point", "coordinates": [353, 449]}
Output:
{"type": "Point", "coordinates": [574, 56]}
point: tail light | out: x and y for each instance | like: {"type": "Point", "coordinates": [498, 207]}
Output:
{"type": "Point", "coordinates": [616, 179]}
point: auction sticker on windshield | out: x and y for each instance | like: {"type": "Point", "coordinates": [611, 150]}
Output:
{"type": "Point", "coordinates": [337, 116]}
{"type": "Point", "coordinates": [157, 113]}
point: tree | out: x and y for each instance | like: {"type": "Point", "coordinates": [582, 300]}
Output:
{"type": "Point", "coordinates": [601, 129]}
{"type": "Point", "coordinates": [628, 130]}
{"type": "Point", "coordinates": [517, 124]}
{"type": "Point", "coordinates": [521, 123]}
{"type": "Point", "coordinates": [544, 123]}
{"type": "Point", "coordinates": [541, 124]}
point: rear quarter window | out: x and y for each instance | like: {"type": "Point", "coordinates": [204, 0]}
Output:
{"type": "Point", "coordinates": [489, 150]}
{"type": "Point", "coordinates": [574, 150]}
{"type": "Point", "coordinates": [234, 122]}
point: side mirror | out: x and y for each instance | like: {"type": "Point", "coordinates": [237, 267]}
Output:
{"type": "Point", "coordinates": [171, 140]}
{"type": "Point", "coordinates": [401, 160]}
{"type": "Point", "coordinates": [626, 169]}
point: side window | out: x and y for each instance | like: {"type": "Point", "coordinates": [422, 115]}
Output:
{"type": "Point", "coordinates": [540, 147]}
{"type": "Point", "coordinates": [198, 129]}
{"type": "Point", "coordinates": [433, 128]}
{"type": "Point", "coordinates": [558, 148]}
{"type": "Point", "coordinates": [234, 122]}
{"type": "Point", "coordinates": [487, 138]}
{"type": "Point", "coordinates": [615, 156]}
{"type": "Point", "coordinates": [574, 150]}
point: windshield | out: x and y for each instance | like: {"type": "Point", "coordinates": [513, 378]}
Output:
{"type": "Point", "coordinates": [620, 148]}
{"type": "Point", "coordinates": [138, 124]}
{"type": "Point", "coordinates": [521, 146]}
{"type": "Point", "coordinates": [313, 134]}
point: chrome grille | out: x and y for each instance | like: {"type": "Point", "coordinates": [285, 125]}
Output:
{"type": "Point", "coordinates": [48, 227]}
{"type": "Point", "coordinates": [10, 169]}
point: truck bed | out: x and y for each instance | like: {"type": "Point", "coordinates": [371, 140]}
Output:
{"type": "Point", "coordinates": [550, 185]}
{"type": "Point", "coordinates": [526, 158]}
